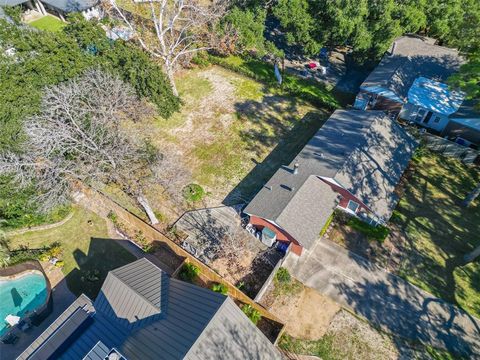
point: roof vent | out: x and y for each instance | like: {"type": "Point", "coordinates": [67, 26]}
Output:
{"type": "Point", "coordinates": [295, 168]}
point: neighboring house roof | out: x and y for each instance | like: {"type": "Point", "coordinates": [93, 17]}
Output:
{"type": "Point", "coordinates": [435, 96]}
{"type": "Point", "coordinates": [409, 58]}
{"type": "Point", "coordinates": [63, 5]}
{"type": "Point", "coordinates": [364, 151]}
{"type": "Point", "coordinates": [144, 314]}
{"type": "Point", "coordinates": [468, 115]}
{"type": "Point", "coordinates": [70, 5]}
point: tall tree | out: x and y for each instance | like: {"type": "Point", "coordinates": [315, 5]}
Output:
{"type": "Point", "coordinates": [175, 29]}
{"type": "Point", "coordinates": [80, 134]}
{"type": "Point", "coordinates": [296, 19]}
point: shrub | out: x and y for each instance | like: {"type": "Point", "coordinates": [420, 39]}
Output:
{"type": "Point", "coordinates": [378, 232]}
{"type": "Point", "coordinates": [193, 193]}
{"type": "Point", "coordinates": [60, 263]}
{"type": "Point", "coordinates": [220, 288]}
{"type": "Point", "coordinates": [251, 313]}
{"type": "Point", "coordinates": [55, 250]}
{"type": "Point", "coordinates": [44, 257]}
{"type": "Point", "coordinates": [327, 224]}
{"type": "Point", "coordinates": [188, 272]}
{"type": "Point", "coordinates": [283, 276]}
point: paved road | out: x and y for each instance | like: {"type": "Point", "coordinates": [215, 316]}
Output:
{"type": "Point", "coordinates": [385, 299]}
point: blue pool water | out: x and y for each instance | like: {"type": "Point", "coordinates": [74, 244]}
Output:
{"type": "Point", "coordinates": [21, 295]}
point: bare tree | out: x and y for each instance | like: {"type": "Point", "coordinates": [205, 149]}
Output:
{"type": "Point", "coordinates": [78, 135]}
{"type": "Point", "coordinates": [180, 28]}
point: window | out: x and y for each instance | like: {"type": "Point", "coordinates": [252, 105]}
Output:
{"type": "Point", "coordinates": [437, 119]}
{"type": "Point", "coordinates": [420, 115]}
{"type": "Point", "coordinates": [352, 206]}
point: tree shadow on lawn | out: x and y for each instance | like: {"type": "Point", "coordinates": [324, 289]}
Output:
{"type": "Point", "coordinates": [438, 231]}
{"type": "Point", "coordinates": [92, 268]}
{"type": "Point", "coordinates": [402, 309]}
{"type": "Point", "coordinates": [289, 138]}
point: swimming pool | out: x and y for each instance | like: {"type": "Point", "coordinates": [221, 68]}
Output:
{"type": "Point", "coordinates": [22, 294]}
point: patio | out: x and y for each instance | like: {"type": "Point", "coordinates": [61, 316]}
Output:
{"type": "Point", "coordinates": [216, 237]}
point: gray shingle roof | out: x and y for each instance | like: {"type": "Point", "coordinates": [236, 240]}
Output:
{"type": "Point", "coordinates": [349, 142]}
{"type": "Point", "coordinates": [71, 5]}
{"type": "Point", "coordinates": [408, 58]}
{"type": "Point", "coordinates": [146, 315]}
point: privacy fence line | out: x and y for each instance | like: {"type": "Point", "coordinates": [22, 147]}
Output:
{"type": "Point", "coordinates": [448, 148]}
{"type": "Point", "coordinates": [269, 280]}
{"type": "Point", "coordinates": [103, 205]}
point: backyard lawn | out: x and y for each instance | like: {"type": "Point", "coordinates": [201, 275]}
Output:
{"type": "Point", "coordinates": [86, 249]}
{"type": "Point", "coordinates": [231, 135]}
{"type": "Point", "coordinates": [439, 231]}
{"type": "Point", "coordinates": [48, 23]}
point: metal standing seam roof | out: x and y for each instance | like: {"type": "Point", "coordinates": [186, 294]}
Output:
{"type": "Point", "coordinates": [146, 315]}
{"type": "Point", "coordinates": [411, 57]}
{"type": "Point", "coordinates": [350, 141]}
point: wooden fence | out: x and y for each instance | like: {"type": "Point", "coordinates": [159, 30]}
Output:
{"type": "Point", "coordinates": [103, 205]}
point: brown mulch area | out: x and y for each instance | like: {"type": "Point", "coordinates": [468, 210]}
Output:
{"type": "Point", "coordinates": [387, 254]}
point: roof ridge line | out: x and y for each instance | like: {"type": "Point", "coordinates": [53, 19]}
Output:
{"type": "Point", "coordinates": [136, 292]}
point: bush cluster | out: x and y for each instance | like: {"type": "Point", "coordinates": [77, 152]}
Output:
{"type": "Point", "coordinates": [251, 313]}
{"type": "Point", "coordinates": [220, 288]}
{"type": "Point", "coordinates": [189, 272]}
{"type": "Point", "coordinates": [378, 232]}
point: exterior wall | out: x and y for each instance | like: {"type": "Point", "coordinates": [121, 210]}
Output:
{"type": "Point", "coordinates": [282, 235]}
{"type": "Point", "coordinates": [346, 196]}
{"type": "Point", "coordinates": [380, 102]}
{"type": "Point", "coordinates": [409, 112]}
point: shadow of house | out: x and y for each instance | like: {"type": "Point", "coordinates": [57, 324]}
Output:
{"type": "Point", "coordinates": [141, 313]}
{"type": "Point", "coordinates": [92, 268]}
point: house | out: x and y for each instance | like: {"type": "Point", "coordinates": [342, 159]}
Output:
{"type": "Point", "coordinates": [58, 8]}
{"type": "Point", "coordinates": [354, 163]}
{"type": "Point", "coordinates": [410, 82]}
{"type": "Point", "coordinates": [142, 313]}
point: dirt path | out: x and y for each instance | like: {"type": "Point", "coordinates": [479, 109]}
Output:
{"type": "Point", "coordinates": [307, 315]}
{"type": "Point", "coordinates": [217, 105]}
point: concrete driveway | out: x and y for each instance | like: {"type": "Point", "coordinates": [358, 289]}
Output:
{"type": "Point", "coordinates": [386, 300]}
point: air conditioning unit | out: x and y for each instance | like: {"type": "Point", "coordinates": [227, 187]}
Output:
{"type": "Point", "coordinates": [268, 236]}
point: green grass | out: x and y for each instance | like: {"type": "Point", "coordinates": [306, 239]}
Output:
{"type": "Point", "coordinates": [308, 90]}
{"type": "Point", "coordinates": [440, 231]}
{"type": "Point", "coordinates": [48, 23]}
{"type": "Point", "coordinates": [86, 250]}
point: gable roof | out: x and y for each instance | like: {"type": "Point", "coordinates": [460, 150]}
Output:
{"type": "Point", "coordinates": [411, 57]}
{"type": "Point", "coordinates": [353, 147]}
{"type": "Point", "coordinates": [142, 313]}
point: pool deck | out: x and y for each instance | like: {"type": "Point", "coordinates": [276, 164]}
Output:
{"type": "Point", "coordinates": [62, 297]}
